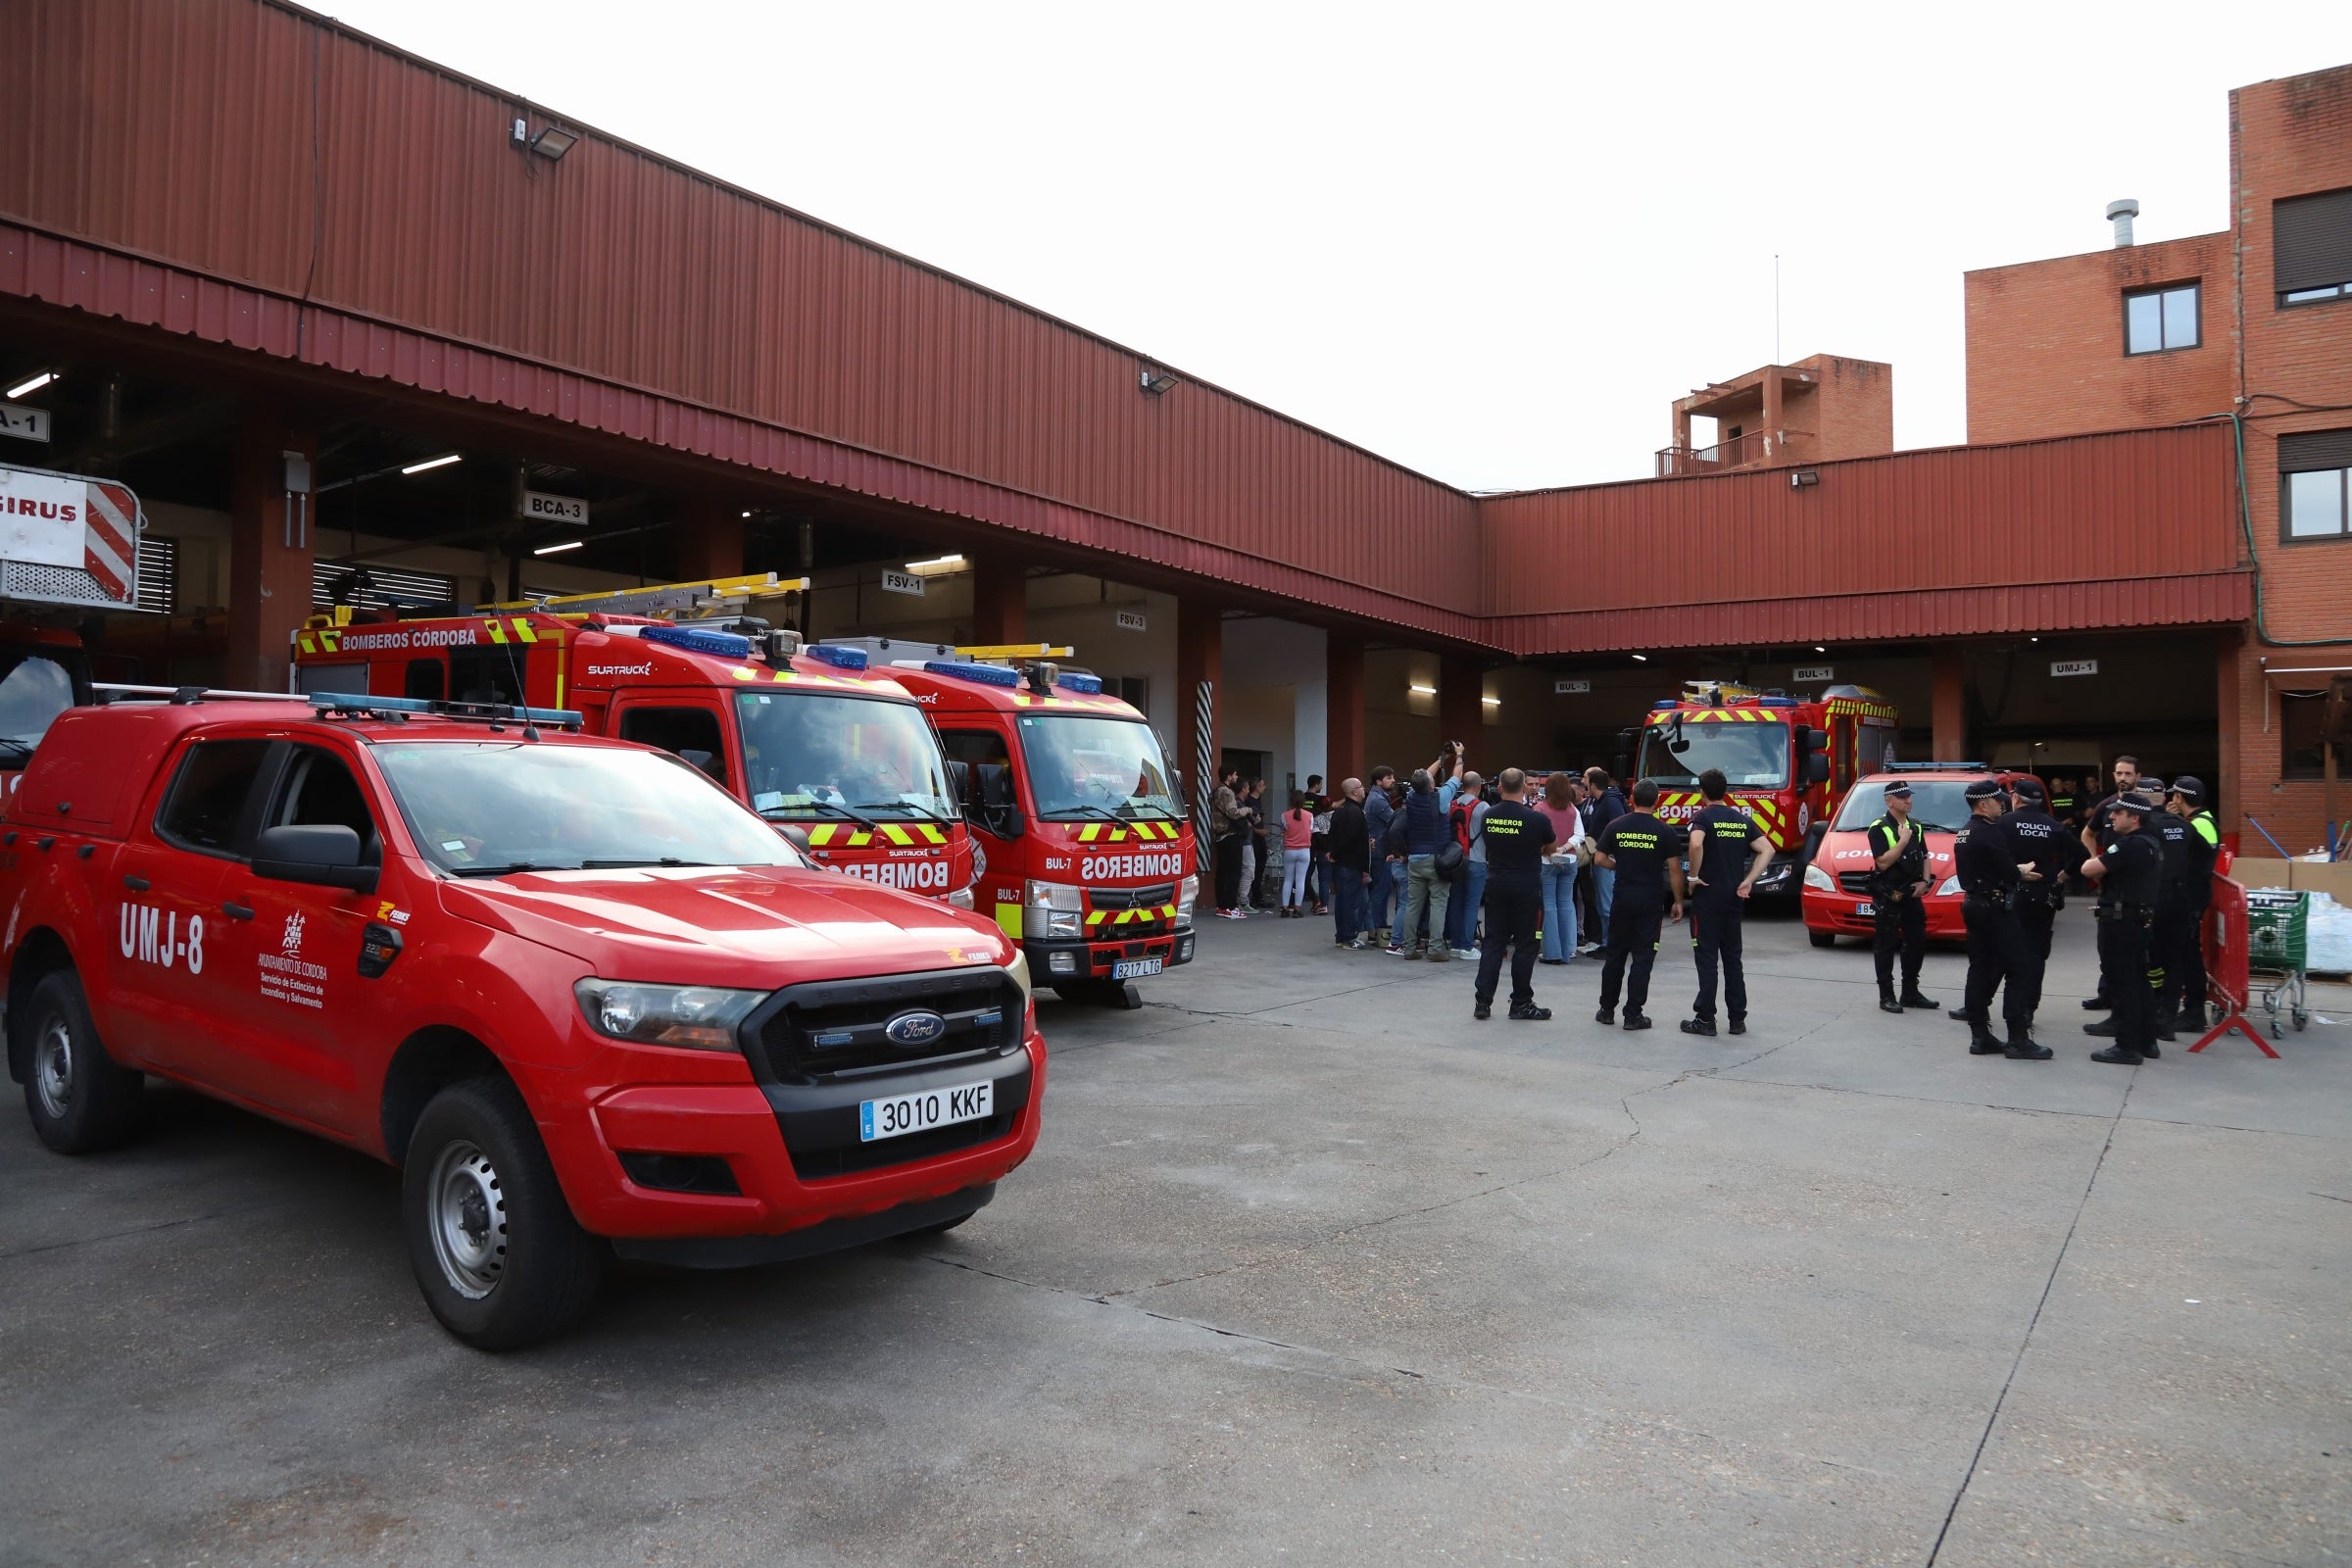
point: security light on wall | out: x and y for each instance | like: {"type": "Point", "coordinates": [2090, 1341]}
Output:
{"type": "Point", "coordinates": [1803, 478]}
{"type": "Point", "coordinates": [552, 142]}
{"type": "Point", "coordinates": [1154, 383]}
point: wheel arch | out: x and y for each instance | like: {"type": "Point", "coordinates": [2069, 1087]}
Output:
{"type": "Point", "coordinates": [40, 954]}
{"type": "Point", "coordinates": [428, 1062]}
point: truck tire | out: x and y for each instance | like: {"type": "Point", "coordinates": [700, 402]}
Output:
{"type": "Point", "coordinates": [496, 1250]}
{"type": "Point", "coordinates": [78, 1098]}
{"type": "Point", "coordinates": [1822, 938]}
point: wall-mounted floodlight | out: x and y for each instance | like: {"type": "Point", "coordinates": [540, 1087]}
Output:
{"type": "Point", "coordinates": [1803, 478]}
{"type": "Point", "coordinates": [552, 142]}
{"type": "Point", "coordinates": [1154, 383]}
{"type": "Point", "coordinates": [441, 462]}
{"type": "Point", "coordinates": [33, 385]}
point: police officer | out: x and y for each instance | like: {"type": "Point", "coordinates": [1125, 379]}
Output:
{"type": "Point", "coordinates": [1516, 837]}
{"type": "Point", "coordinates": [1726, 856]}
{"type": "Point", "coordinates": [2130, 871]}
{"type": "Point", "coordinates": [2094, 830]}
{"type": "Point", "coordinates": [2204, 845]}
{"type": "Point", "coordinates": [1647, 856]}
{"type": "Point", "coordinates": [2046, 853]}
{"type": "Point", "coordinates": [1988, 873]}
{"type": "Point", "coordinates": [2170, 928]}
{"type": "Point", "coordinates": [1898, 883]}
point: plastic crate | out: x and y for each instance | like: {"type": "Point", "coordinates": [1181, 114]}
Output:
{"type": "Point", "coordinates": [2277, 927]}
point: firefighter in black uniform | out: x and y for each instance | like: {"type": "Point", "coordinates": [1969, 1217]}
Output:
{"type": "Point", "coordinates": [2041, 842]}
{"type": "Point", "coordinates": [1985, 861]}
{"type": "Point", "coordinates": [1648, 856]}
{"type": "Point", "coordinates": [2204, 845]}
{"type": "Point", "coordinates": [1726, 856]}
{"type": "Point", "coordinates": [2130, 871]}
{"type": "Point", "coordinates": [1898, 881]}
{"type": "Point", "coordinates": [2171, 928]}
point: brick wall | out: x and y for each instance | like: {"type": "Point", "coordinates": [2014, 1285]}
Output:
{"type": "Point", "coordinates": [2045, 343]}
{"type": "Point", "coordinates": [1852, 413]}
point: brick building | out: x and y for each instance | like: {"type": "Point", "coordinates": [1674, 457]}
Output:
{"type": "Point", "coordinates": [2250, 327]}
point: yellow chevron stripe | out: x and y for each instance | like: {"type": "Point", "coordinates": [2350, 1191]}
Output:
{"type": "Point", "coordinates": [896, 834]}
{"type": "Point", "coordinates": [1096, 917]}
{"type": "Point", "coordinates": [932, 834]}
{"type": "Point", "coordinates": [821, 835]}
{"type": "Point", "coordinates": [523, 632]}
{"type": "Point", "coordinates": [497, 633]}
{"type": "Point", "coordinates": [1009, 920]}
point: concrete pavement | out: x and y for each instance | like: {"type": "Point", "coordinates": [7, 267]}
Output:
{"type": "Point", "coordinates": [1308, 1267]}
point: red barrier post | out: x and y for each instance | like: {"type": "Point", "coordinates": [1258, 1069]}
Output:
{"type": "Point", "coordinates": [2230, 965]}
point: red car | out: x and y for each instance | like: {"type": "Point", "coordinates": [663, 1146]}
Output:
{"type": "Point", "coordinates": [1837, 893]}
{"type": "Point", "coordinates": [585, 1000]}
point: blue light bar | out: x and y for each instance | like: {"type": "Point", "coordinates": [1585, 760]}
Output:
{"type": "Point", "coordinates": [724, 644]}
{"type": "Point", "coordinates": [1778, 702]}
{"type": "Point", "coordinates": [985, 674]}
{"type": "Point", "coordinates": [1661, 708]}
{"type": "Point", "coordinates": [838, 658]}
{"type": "Point", "coordinates": [348, 702]}
{"type": "Point", "coordinates": [1086, 685]}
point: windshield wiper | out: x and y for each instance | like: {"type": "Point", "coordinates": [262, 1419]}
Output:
{"type": "Point", "coordinates": [623, 865]}
{"type": "Point", "coordinates": [1073, 810]}
{"type": "Point", "coordinates": [908, 807]}
{"type": "Point", "coordinates": [783, 813]}
{"type": "Point", "coordinates": [11, 748]}
{"type": "Point", "coordinates": [508, 869]}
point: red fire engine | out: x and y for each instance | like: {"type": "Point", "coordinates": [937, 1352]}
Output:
{"type": "Point", "coordinates": [1790, 761]}
{"type": "Point", "coordinates": [68, 546]}
{"type": "Point", "coordinates": [1088, 858]}
{"type": "Point", "coordinates": [810, 737]}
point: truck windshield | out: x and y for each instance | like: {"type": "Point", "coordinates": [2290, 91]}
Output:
{"type": "Point", "coordinates": [493, 807]}
{"type": "Point", "coordinates": [815, 758]}
{"type": "Point", "coordinates": [1940, 803]}
{"type": "Point", "coordinates": [1084, 767]}
{"type": "Point", "coordinates": [36, 688]}
{"type": "Point", "coordinates": [1752, 756]}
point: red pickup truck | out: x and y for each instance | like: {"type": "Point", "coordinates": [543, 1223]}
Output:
{"type": "Point", "coordinates": [585, 1000]}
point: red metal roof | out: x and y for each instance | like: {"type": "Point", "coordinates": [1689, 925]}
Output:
{"type": "Point", "coordinates": [164, 176]}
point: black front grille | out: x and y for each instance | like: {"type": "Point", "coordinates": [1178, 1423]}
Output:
{"type": "Point", "coordinates": [1854, 881]}
{"type": "Point", "coordinates": [833, 1029]}
{"type": "Point", "coordinates": [1132, 898]}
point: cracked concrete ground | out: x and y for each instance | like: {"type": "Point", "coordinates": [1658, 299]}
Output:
{"type": "Point", "coordinates": [1308, 1267]}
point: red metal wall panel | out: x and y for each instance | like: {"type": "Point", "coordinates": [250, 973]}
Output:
{"type": "Point", "coordinates": [184, 131]}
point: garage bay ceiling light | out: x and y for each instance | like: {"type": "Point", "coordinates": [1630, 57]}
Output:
{"type": "Point", "coordinates": [1641, 659]}
{"type": "Point", "coordinates": [441, 462]}
{"type": "Point", "coordinates": [557, 550]}
{"type": "Point", "coordinates": [34, 385]}
{"type": "Point", "coordinates": [939, 567]}
{"type": "Point", "coordinates": [1419, 690]}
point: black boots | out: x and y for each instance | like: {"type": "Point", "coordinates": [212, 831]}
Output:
{"type": "Point", "coordinates": [1698, 1026]}
{"type": "Point", "coordinates": [1981, 1042]}
{"type": "Point", "coordinates": [1887, 1001]}
{"type": "Point", "coordinates": [2023, 1047]}
{"type": "Point", "coordinates": [1912, 998]}
{"type": "Point", "coordinates": [1607, 1015]}
{"type": "Point", "coordinates": [1529, 1012]}
{"type": "Point", "coordinates": [2117, 1055]}
{"type": "Point", "coordinates": [1483, 1011]}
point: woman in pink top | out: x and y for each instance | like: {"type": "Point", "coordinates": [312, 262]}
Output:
{"type": "Point", "coordinates": [1298, 846]}
{"type": "Point", "coordinates": [1558, 806]}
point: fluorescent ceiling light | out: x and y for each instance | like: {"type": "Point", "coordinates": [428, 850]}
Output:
{"type": "Point", "coordinates": [1491, 702]}
{"type": "Point", "coordinates": [1817, 647]}
{"type": "Point", "coordinates": [747, 514]}
{"type": "Point", "coordinates": [938, 565]}
{"type": "Point", "coordinates": [552, 550]}
{"type": "Point", "coordinates": [1641, 659]}
{"type": "Point", "coordinates": [34, 385]}
{"type": "Point", "coordinates": [441, 462]}
{"type": "Point", "coordinates": [1422, 691]}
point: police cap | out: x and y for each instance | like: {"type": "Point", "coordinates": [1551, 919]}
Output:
{"type": "Point", "coordinates": [2133, 804]}
{"type": "Point", "coordinates": [2191, 790]}
{"type": "Point", "coordinates": [2028, 789]}
{"type": "Point", "coordinates": [1899, 787]}
{"type": "Point", "coordinates": [1983, 789]}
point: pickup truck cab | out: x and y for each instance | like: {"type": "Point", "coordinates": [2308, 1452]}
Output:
{"type": "Point", "coordinates": [587, 1001]}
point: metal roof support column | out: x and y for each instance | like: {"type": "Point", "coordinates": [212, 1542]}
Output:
{"type": "Point", "coordinates": [272, 529]}
{"type": "Point", "coordinates": [1947, 704]}
{"type": "Point", "coordinates": [1344, 699]}
{"type": "Point", "coordinates": [1200, 678]}
{"type": "Point", "coordinates": [1000, 599]}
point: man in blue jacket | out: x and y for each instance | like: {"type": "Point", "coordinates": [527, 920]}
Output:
{"type": "Point", "coordinates": [1425, 892]}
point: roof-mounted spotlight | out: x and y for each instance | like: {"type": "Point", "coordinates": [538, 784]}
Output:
{"type": "Point", "coordinates": [1154, 382]}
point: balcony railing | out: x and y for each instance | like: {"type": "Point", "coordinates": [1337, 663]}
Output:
{"type": "Point", "coordinates": [1740, 452]}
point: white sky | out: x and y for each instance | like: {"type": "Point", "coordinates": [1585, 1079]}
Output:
{"type": "Point", "coordinates": [1492, 242]}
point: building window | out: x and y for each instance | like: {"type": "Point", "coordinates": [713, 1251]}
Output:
{"type": "Point", "coordinates": [2302, 721]}
{"type": "Point", "coordinates": [2315, 484]}
{"type": "Point", "coordinates": [2159, 319]}
{"type": "Point", "coordinates": [2311, 247]}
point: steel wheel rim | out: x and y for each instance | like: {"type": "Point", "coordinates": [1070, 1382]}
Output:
{"type": "Point", "coordinates": [53, 1068]}
{"type": "Point", "coordinates": [467, 1217]}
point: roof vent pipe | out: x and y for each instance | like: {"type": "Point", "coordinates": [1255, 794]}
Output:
{"type": "Point", "coordinates": [2121, 214]}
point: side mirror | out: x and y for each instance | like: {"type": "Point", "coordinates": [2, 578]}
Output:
{"type": "Point", "coordinates": [959, 780]}
{"type": "Point", "coordinates": [1817, 769]}
{"type": "Point", "coordinates": [325, 856]}
{"type": "Point", "coordinates": [1003, 820]}
{"type": "Point", "coordinates": [795, 835]}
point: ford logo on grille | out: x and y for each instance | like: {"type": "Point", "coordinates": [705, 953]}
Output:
{"type": "Point", "coordinates": [910, 1029]}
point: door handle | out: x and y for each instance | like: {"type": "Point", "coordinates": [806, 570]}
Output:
{"type": "Point", "coordinates": [236, 912]}
{"type": "Point", "coordinates": [136, 884]}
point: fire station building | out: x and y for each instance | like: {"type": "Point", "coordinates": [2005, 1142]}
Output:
{"type": "Point", "coordinates": [359, 329]}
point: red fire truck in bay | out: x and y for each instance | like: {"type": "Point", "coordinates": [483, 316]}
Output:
{"type": "Point", "coordinates": [810, 737]}
{"type": "Point", "coordinates": [1790, 761]}
{"type": "Point", "coordinates": [1089, 860]}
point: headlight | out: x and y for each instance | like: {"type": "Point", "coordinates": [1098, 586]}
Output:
{"type": "Point", "coordinates": [1187, 893]}
{"type": "Point", "coordinates": [1018, 968]}
{"type": "Point", "coordinates": [962, 898]}
{"type": "Point", "coordinates": [1952, 885]}
{"type": "Point", "coordinates": [1052, 910]}
{"type": "Point", "coordinates": [1051, 894]}
{"type": "Point", "coordinates": [1816, 877]}
{"type": "Point", "coordinates": [702, 1018]}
